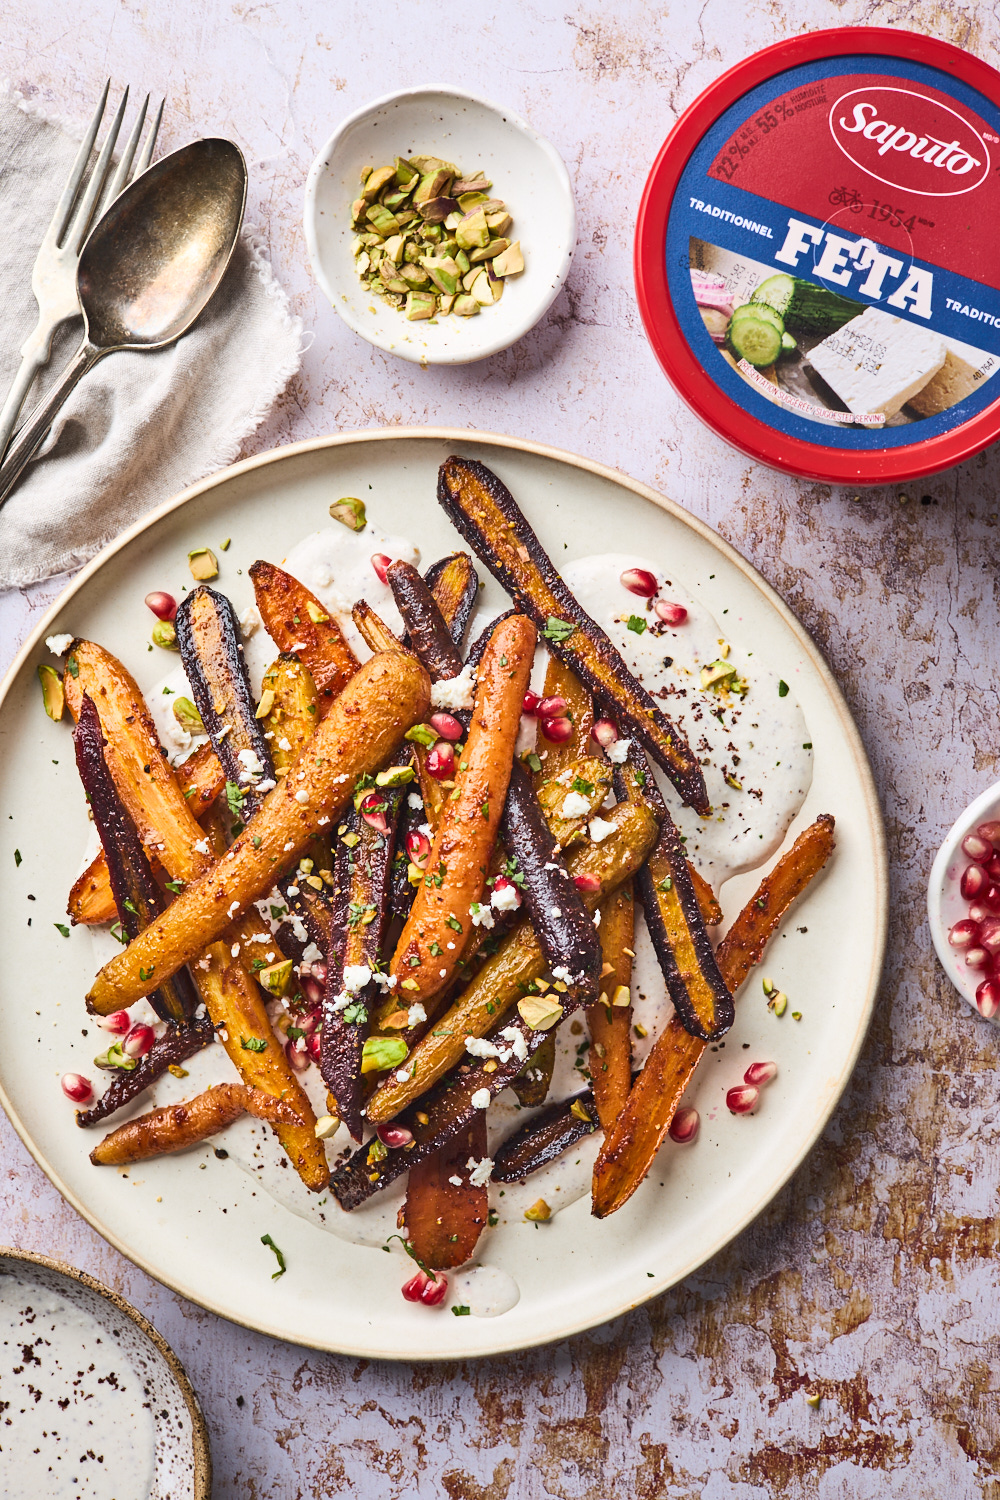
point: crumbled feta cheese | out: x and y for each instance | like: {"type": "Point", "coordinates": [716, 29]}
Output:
{"type": "Point", "coordinates": [455, 1180]}
{"type": "Point", "coordinates": [561, 972]}
{"type": "Point", "coordinates": [480, 1099]}
{"type": "Point", "coordinates": [481, 916]}
{"type": "Point", "coordinates": [479, 1171]}
{"type": "Point", "coordinates": [618, 752]}
{"type": "Point", "coordinates": [322, 576]}
{"type": "Point", "coordinates": [288, 847]}
{"type": "Point", "coordinates": [299, 646]}
{"type": "Point", "coordinates": [478, 1046]}
{"type": "Point", "coordinates": [250, 762]}
{"type": "Point", "coordinates": [356, 976]}
{"type": "Point", "coordinates": [403, 1076]}
{"type": "Point", "coordinates": [426, 830]}
{"type": "Point", "coordinates": [415, 801]}
{"type": "Point", "coordinates": [235, 950]}
{"type": "Point", "coordinates": [384, 981]}
{"type": "Point", "coordinates": [443, 973]}
{"type": "Point", "coordinates": [283, 744]}
{"type": "Point", "coordinates": [323, 821]}
{"type": "Point", "coordinates": [302, 797]}
{"type": "Point", "coordinates": [202, 846]}
{"type": "Point", "coordinates": [260, 937]}
{"type": "Point", "coordinates": [226, 729]}
{"type": "Point", "coordinates": [234, 908]}
{"type": "Point", "coordinates": [58, 644]}
{"type": "Point", "coordinates": [555, 911]}
{"type": "Point", "coordinates": [176, 735]}
{"type": "Point", "coordinates": [574, 806]}
{"type": "Point", "coordinates": [291, 890]}
{"type": "Point", "coordinates": [415, 1015]}
{"type": "Point", "coordinates": [517, 1041]}
{"type": "Point", "coordinates": [249, 620]}
{"type": "Point", "coordinates": [267, 785]}
{"type": "Point", "coordinates": [600, 829]}
{"type": "Point", "coordinates": [455, 692]}
{"type": "Point", "coordinates": [449, 945]}
{"type": "Point", "coordinates": [505, 899]}
{"type": "Point", "coordinates": [550, 864]}
{"type": "Point", "coordinates": [311, 954]}
{"type": "Point", "coordinates": [298, 929]}
{"type": "Point", "coordinates": [597, 917]}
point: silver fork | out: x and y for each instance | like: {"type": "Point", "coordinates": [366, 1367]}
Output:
{"type": "Point", "coordinates": [53, 279]}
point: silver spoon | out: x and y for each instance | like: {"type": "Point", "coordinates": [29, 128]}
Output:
{"type": "Point", "coordinates": [148, 269]}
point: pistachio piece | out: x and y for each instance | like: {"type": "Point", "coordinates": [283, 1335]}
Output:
{"type": "Point", "coordinates": [436, 210]}
{"type": "Point", "coordinates": [276, 978]}
{"type": "Point", "coordinates": [476, 184]}
{"type": "Point", "coordinates": [376, 181]}
{"type": "Point", "coordinates": [393, 248]}
{"type": "Point", "coordinates": [465, 306]}
{"type": "Point", "coordinates": [406, 172]}
{"type": "Point", "coordinates": [266, 704]}
{"type": "Point", "coordinates": [420, 305]}
{"type": "Point", "coordinates": [495, 281]}
{"type": "Point", "coordinates": [472, 230]}
{"type": "Point", "coordinates": [394, 200]}
{"type": "Point", "coordinates": [481, 289]}
{"type": "Point", "coordinates": [366, 172]}
{"type": "Point", "coordinates": [381, 219]}
{"type": "Point", "coordinates": [426, 164]}
{"type": "Point", "coordinates": [540, 1012]}
{"type": "Point", "coordinates": [432, 185]}
{"type": "Point", "coordinates": [487, 252]}
{"type": "Point", "coordinates": [203, 564]}
{"type": "Point", "coordinates": [446, 304]}
{"type": "Point", "coordinates": [53, 696]}
{"type": "Point", "coordinates": [406, 217]}
{"type": "Point", "coordinates": [462, 261]}
{"type": "Point", "coordinates": [498, 223]}
{"type": "Point", "coordinates": [350, 512]}
{"type": "Point", "coordinates": [358, 210]}
{"type": "Point", "coordinates": [469, 200]}
{"type": "Point", "coordinates": [448, 246]}
{"type": "Point", "coordinates": [443, 271]}
{"type": "Point", "coordinates": [433, 233]}
{"type": "Point", "coordinates": [165, 635]}
{"type": "Point", "coordinates": [325, 1127]}
{"type": "Point", "coordinates": [414, 276]}
{"type": "Point", "coordinates": [717, 673]}
{"type": "Point", "coordinates": [395, 776]}
{"type": "Point", "coordinates": [453, 220]}
{"type": "Point", "coordinates": [188, 716]}
{"type": "Point", "coordinates": [510, 262]}
{"type": "Point", "coordinates": [364, 261]}
{"type": "Point", "coordinates": [539, 1212]}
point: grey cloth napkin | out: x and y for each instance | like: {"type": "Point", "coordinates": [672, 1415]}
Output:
{"type": "Point", "coordinates": [139, 427]}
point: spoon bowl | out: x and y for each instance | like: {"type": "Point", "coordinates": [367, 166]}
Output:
{"type": "Point", "coordinates": [148, 269]}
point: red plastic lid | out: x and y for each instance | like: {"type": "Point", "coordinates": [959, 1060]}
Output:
{"type": "Point", "coordinates": [817, 259]}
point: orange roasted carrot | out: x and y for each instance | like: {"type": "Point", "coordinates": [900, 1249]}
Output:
{"type": "Point", "coordinates": [298, 623]}
{"type": "Point", "coordinates": [175, 1126]}
{"type": "Point", "coordinates": [610, 1019]}
{"type": "Point", "coordinates": [440, 922]}
{"type": "Point", "coordinates": [628, 1151]}
{"type": "Point", "coordinates": [444, 1218]}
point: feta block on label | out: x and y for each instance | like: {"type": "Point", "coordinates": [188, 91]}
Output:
{"type": "Point", "coordinates": [876, 362]}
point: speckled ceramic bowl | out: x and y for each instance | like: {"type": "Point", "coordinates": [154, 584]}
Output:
{"type": "Point", "coordinates": [43, 1307]}
{"type": "Point", "coordinates": [945, 903]}
{"type": "Point", "coordinates": [526, 172]}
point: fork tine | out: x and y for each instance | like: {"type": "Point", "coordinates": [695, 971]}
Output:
{"type": "Point", "coordinates": [146, 155]}
{"type": "Point", "coordinates": [77, 232]}
{"type": "Point", "coordinates": [121, 173]}
{"type": "Point", "coordinates": [60, 218]}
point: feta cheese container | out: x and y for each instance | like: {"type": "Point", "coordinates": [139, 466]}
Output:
{"type": "Point", "coordinates": [815, 256]}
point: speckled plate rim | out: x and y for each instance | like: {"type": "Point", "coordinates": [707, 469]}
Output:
{"type": "Point", "coordinates": [874, 834]}
{"type": "Point", "coordinates": [199, 1431]}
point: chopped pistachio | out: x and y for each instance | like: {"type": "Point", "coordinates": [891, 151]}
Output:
{"type": "Point", "coordinates": [453, 220]}
{"type": "Point", "coordinates": [364, 261]}
{"type": "Point", "coordinates": [443, 271]}
{"type": "Point", "coordinates": [165, 635]}
{"type": "Point", "coordinates": [376, 181]}
{"type": "Point", "coordinates": [414, 276]}
{"type": "Point", "coordinates": [540, 1012]}
{"type": "Point", "coordinates": [395, 776]}
{"type": "Point", "coordinates": [382, 220]}
{"type": "Point", "coordinates": [778, 1003]}
{"type": "Point", "coordinates": [463, 262]}
{"type": "Point", "coordinates": [477, 184]}
{"type": "Point", "coordinates": [53, 696]}
{"type": "Point", "coordinates": [425, 164]}
{"type": "Point", "coordinates": [432, 185]}
{"type": "Point", "coordinates": [510, 262]}
{"type": "Point", "coordinates": [465, 307]}
{"type": "Point", "coordinates": [717, 673]}
{"type": "Point", "coordinates": [325, 1127]}
{"type": "Point", "coordinates": [316, 614]}
{"type": "Point", "coordinates": [446, 302]}
{"type": "Point", "coordinates": [539, 1212]}
{"type": "Point", "coordinates": [406, 172]}
{"type": "Point", "coordinates": [188, 717]}
{"type": "Point", "coordinates": [622, 995]}
{"type": "Point", "coordinates": [436, 210]}
{"type": "Point", "coordinates": [358, 210]}
{"type": "Point", "coordinates": [366, 172]}
{"type": "Point", "coordinates": [767, 985]}
{"type": "Point", "coordinates": [487, 252]}
{"type": "Point", "coordinates": [472, 230]}
{"type": "Point", "coordinates": [498, 223]}
{"type": "Point", "coordinates": [393, 248]}
{"type": "Point", "coordinates": [266, 704]}
{"type": "Point", "coordinates": [203, 564]}
{"type": "Point", "coordinates": [579, 1109]}
{"type": "Point", "coordinates": [350, 512]}
{"type": "Point", "coordinates": [277, 977]}
{"type": "Point", "coordinates": [420, 305]}
{"type": "Point", "coordinates": [470, 200]}
{"type": "Point", "coordinates": [481, 290]}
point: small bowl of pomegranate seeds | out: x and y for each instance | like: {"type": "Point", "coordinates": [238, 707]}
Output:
{"type": "Point", "coordinates": [963, 904]}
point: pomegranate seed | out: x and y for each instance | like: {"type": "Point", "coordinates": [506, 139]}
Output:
{"type": "Point", "coordinates": [989, 935]}
{"type": "Point", "coordinates": [670, 614]}
{"type": "Point", "coordinates": [684, 1125]}
{"type": "Point", "coordinates": [979, 911]}
{"type": "Point", "coordinates": [639, 581]}
{"type": "Point", "coordinates": [313, 1045]}
{"type": "Point", "coordinates": [138, 1041]}
{"type": "Point", "coordinates": [380, 562]}
{"type": "Point", "coordinates": [418, 847]}
{"type": "Point", "coordinates": [987, 998]}
{"type": "Point", "coordinates": [979, 849]}
{"type": "Point", "coordinates": [760, 1073]}
{"type": "Point", "coordinates": [319, 971]}
{"type": "Point", "coordinates": [501, 883]}
{"type": "Point", "coordinates": [552, 708]}
{"type": "Point", "coordinates": [299, 1060]}
{"type": "Point", "coordinates": [76, 1087]}
{"type": "Point", "coordinates": [964, 933]}
{"type": "Point", "coordinates": [741, 1099]}
{"type": "Point", "coordinates": [394, 1135]}
{"type": "Point", "coordinates": [587, 882]}
{"type": "Point", "coordinates": [978, 958]}
{"type": "Point", "coordinates": [991, 832]}
{"type": "Point", "coordinates": [992, 868]}
{"type": "Point", "coordinates": [440, 761]}
{"type": "Point", "coordinates": [974, 882]}
{"type": "Point", "coordinates": [164, 606]}
{"type": "Point", "coordinates": [605, 732]}
{"type": "Point", "coordinates": [530, 704]}
{"type": "Point", "coordinates": [435, 1290]}
{"type": "Point", "coordinates": [307, 1024]}
{"type": "Point", "coordinates": [118, 1023]}
{"type": "Point", "coordinates": [557, 730]}
{"type": "Point", "coordinates": [992, 899]}
{"type": "Point", "coordinates": [371, 809]}
{"type": "Point", "coordinates": [311, 989]}
{"type": "Point", "coordinates": [412, 1289]}
{"type": "Point", "coordinates": [447, 727]}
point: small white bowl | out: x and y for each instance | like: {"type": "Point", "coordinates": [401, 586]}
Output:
{"type": "Point", "coordinates": [526, 172]}
{"type": "Point", "coordinates": [945, 903]}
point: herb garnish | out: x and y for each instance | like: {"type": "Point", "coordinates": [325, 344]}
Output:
{"type": "Point", "coordinates": [266, 1239]}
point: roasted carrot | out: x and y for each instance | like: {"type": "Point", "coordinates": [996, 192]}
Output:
{"type": "Point", "coordinates": [175, 1126]}
{"type": "Point", "coordinates": [445, 1211]}
{"type": "Point", "coordinates": [628, 1151]}
{"type": "Point", "coordinates": [440, 922]}
{"type": "Point", "coordinates": [610, 1020]}
{"type": "Point", "coordinates": [298, 623]}
{"type": "Point", "coordinates": [367, 722]}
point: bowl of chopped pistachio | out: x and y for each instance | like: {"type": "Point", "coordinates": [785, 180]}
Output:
{"type": "Point", "coordinates": [440, 226]}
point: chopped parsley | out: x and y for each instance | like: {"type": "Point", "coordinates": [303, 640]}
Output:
{"type": "Point", "coordinates": [585, 788]}
{"type": "Point", "coordinates": [636, 624]}
{"type": "Point", "coordinates": [17, 858]}
{"type": "Point", "coordinates": [436, 950]}
{"type": "Point", "coordinates": [277, 912]}
{"type": "Point", "coordinates": [61, 927]}
{"type": "Point", "coordinates": [782, 689]}
{"type": "Point", "coordinates": [356, 1014]}
{"type": "Point", "coordinates": [176, 886]}
{"type": "Point", "coordinates": [558, 630]}
{"type": "Point", "coordinates": [485, 810]}
{"type": "Point", "coordinates": [234, 797]}
{"type": "Point", "coordinates": [513, 872]}
{"type": "Point", "coordinates": [460, 1310]}
{"type": "Point", "coordinates": [266, 1239]}
{"type": "Point", "coordinates": [454, 924]}
{"type": "Point", "coordinates": [129, 906]}
{"type": "Point", "coordinates": [143, 973]}
{"type": "Point", "coordinates": [253, 1044]}
{"type": "Point", "coordinates": [533, 763]}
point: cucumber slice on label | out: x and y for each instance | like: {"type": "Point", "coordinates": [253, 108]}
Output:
{"type": "Point", "coordinates": [755, 339]}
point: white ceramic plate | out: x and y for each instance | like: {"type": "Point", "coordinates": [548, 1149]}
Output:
{"type": "Point", "coordinates": [526, 172]}
{"type": "Point", "coordinates": [49, 1312]}
{"type": "Point", "coordinates": [945, 903]}
{"type": "Point", "coordinates": [573, 1272]}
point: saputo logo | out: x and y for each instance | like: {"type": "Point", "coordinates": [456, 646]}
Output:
{"type": "Point", "coordinates": [909, 141]}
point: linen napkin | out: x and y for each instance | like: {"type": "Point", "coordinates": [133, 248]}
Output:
{"type": "Point", "coordinates": [139, 427]}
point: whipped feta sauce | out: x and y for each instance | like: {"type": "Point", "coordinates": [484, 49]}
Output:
{"type": "Point", "coordinates": [758, 738]}
{"type": "Point", "coordinates": [75, 1422]}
